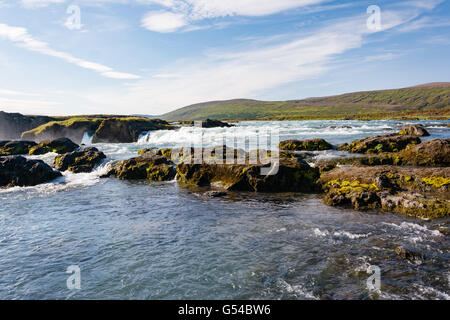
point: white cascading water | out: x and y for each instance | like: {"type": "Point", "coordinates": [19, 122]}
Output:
{"type": "Point", "coordinates": [87, 139]}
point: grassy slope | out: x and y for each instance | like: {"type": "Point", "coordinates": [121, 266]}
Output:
{"type": "Point", "coordinates": [431, 100]}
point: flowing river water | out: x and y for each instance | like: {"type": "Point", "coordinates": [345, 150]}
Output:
{"type": "Point", "coordinates": [142, 240]}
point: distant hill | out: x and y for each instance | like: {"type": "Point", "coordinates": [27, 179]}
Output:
{"type": "Point", "coordinates": [428, 100]}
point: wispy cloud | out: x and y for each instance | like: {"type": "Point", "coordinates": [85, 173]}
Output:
{"type": "Point", "coordinates": [246, 73]}
{"type": "Point", "coordinates": [182, 13]}
{"type": "Point", "coordinates": [21, 37]}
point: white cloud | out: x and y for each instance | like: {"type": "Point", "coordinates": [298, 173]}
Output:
{"type": "Point", "coordinates": [21, 37]}
{"type": "Point", "coordinates": [221, 75]}
{"type": "Point", "coordinates": [180, 13]}
{"type": "Point", "coordinates": [163, 21]}
{"type": "Point", "coordinates": [39, 3]}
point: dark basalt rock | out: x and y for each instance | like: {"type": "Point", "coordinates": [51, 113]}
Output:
{"type": "Point", "coordinates": [11, 148]}
{"type": "Point", "coordinates": [21, 172]}
{"type": "Point", "coordinates": [380, 144]}
{"type": "Point", "coordinates": [155, 168]}
{"type": "Point", "coordinates": [79, 161]}
{"type": "Point", "coordinates": [59, 146]}
{"type": "Point", "coordinates": [305, 145]}
{"type": "Point", "coordinates": [417, 130]}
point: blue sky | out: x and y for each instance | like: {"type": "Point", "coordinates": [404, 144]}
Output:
{"type": "Point", "coordinates": [154, 56]}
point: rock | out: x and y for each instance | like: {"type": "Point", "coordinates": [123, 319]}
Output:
{"type": "Point", "coordinates": [292, 176]}
{"type": "Point", "coordinates": [59, 146]}
{"type": "Point", "coordinates": [432, 153]}
{"type": "Point", "coordinates": [150, 152]}
{"type": "Point", "coordinates": [155, 168]}
{"type": "Point", "coordinates": [126, 130]}
{"type": "Point", "coordinates": [11, 148]}
{"type": "Point", "coordinates": [383, 182]}
{"type": "Point", "coordinates": [417, 192]}
{"type": "Point", "coordinates": [305, 145]}
{"type": "Point", "coordinates": [21, 172]}
{"type": "Point", "coordinates": [79, 161]}
{"type": "Point", "coordinates": [380, 144]}
{"type": "Point", "coordinates": [214, 194]}
{"type": "Point", "coordinates": [208, 123]}
{"type": "Point", "coordinates": [13, 124]}
{"type": "Point", "coordinates": [409, 253]}
{"type": "Point", "coordinates": [414, 130]}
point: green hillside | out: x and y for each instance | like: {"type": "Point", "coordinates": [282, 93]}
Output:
{"type": "Point", "coordinates": [430, 100]}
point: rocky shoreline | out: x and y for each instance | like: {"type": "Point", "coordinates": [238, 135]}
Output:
{"type": "Point", "coordinates": [396, 173]}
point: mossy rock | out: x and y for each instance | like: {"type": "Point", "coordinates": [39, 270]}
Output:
{"type": "Point", "coordinates": [381, 144]}
{"type": "Point", "coordinates": [155, 168]}
{"type": "Point", "coordinates": [305, 145]}
{"type": "Point", "coordinates": [11, 148]}
{"type": "Point", "coordinates": [79, 161]}
{"type": "Point", "coordinates": [413, 191]}
{"type": "Point", "coordinates": [19, 171]}
{"type": "Point", "coordinates": [59, 146]}
{"type": "Point", "coordinates": [292, 176]}
{"type": "Point", "coordinates": [414, 130]}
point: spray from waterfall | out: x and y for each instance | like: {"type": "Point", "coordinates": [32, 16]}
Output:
{"type": "Point", "coordinates": [87, 139]}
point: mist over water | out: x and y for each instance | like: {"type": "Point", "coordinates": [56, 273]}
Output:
{"type": "Point", "coordinates": [142, 240]}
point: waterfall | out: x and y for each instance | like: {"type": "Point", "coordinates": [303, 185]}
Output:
{"type": "Point", "coordinates": [144, 137]}
{"type": "Point", "coordinates": [87, 139]}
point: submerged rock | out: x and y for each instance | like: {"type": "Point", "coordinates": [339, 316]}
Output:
{"type": "Point", "coordinates": [79, 161]}
{"type": "Point", "coordinates": [417, 192]}
{"type": "Point", "coordinates": [155, 168]}
{"type": "Point", "coordinates": [305, 145]}
{"type": "Point", "coordinates": [414, 130]}
{"type": "Point", "coordinates": [21, 172]}
{"type": "Point", "coordinates": [11, 148]}
{"type": "Point", "coordinates": [59, 146]}
{"type": "Point", "coordinates": [380, 144]}
{"type": "Point", "coordinates": [410, 254]}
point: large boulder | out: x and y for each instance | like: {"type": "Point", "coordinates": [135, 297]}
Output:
{"type": "Point", "coordinates": [417, 130]}
{"type": "Point", "coordinates": [126, 130]}
{"type": "Point", "coordinates": [59, 146]}
{"type": "Point", "coordinates": [21, 172]}
{"type": "Point", "coordinates": [153, 168]}
{"type": "Point", "coordinates": [380, 144]}
{"type": "Point", "coordinates": [417, 192]}
{"type": "Point", "coordinates": [10, 148]}
{"type": "Point", "coordinates": [79, 161]}
{"type": "Point", "coordinates": [305, 145]}
{"type": "Point", "coordinates": [429, 153]}
{"type": "Point", "coordinates": [291, 176]}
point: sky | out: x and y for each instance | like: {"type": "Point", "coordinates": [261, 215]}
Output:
{"type": "Point", "coordinates": [63, 57]}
